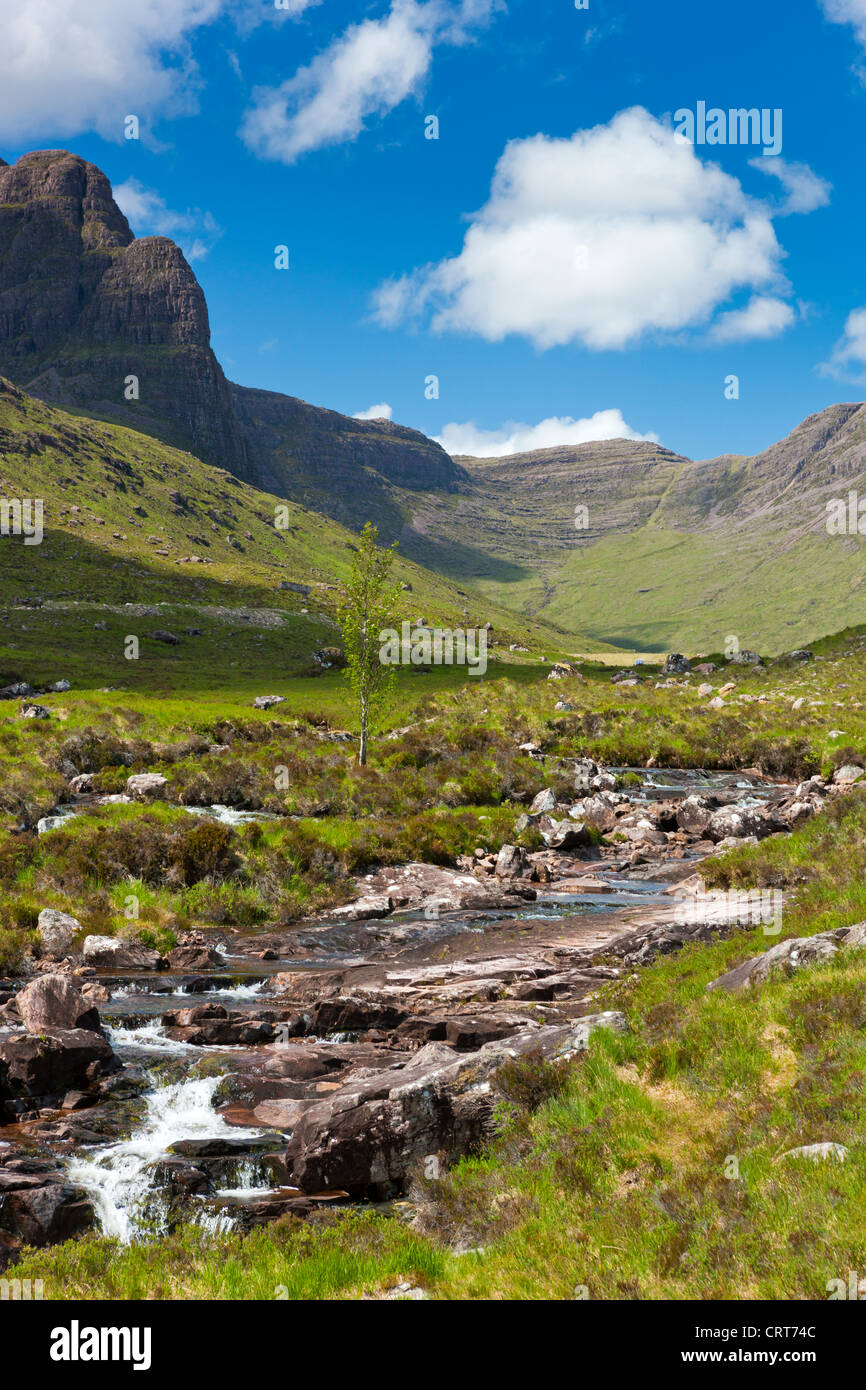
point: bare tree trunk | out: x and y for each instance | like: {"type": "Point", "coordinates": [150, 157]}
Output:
{"type": "Point", "coordinates": [362, 751]}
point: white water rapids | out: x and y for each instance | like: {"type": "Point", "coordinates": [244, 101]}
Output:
{"type": "Point", "coordinates": [118, 1177]}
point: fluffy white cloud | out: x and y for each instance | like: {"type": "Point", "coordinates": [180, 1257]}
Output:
{"type": "Point", "coordinates": [515, 438]}
{"type": "Point", "coordinates": [847, 12]}
{"type": "Point", "coordinates": [147, 214]}
{"type": "Point", "coordinates": [382, 411]}
{"type": "Point", "coordinates": [617, 232]}
{"type": "Point", "coordinates": [75, 65]}
{"type": "Point", "coordinates": [762, 317]}
{"type": "Point", "coordinates": [84, 66]}
{"type": "Point", "coordinates": [848, 358]}
{"type": "Point", "coordinates": [367, 71]}
{"type": "Point", "coordinates": [804, 190]}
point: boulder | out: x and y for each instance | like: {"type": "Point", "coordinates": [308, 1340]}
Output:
{"type": "Point", "coordinates": [145, 784]}
{"type": "Point", "coordinates": [818, 1153]}
{"type": "Point", "coordinates": [845, 776]}
{"type": "Point", "coordinates": [512, 862]}
{"type": "Point", "coordinates": [597, 811]}
{"type": "Point", "coordinates": [50, 1064]}
{"type": "Point", "coordinates": [268, 701]}
{"type": "Point", "coordinates": [113, 953]}
{"type": "Point", "coordinates": [676, 664]}
{"type": "Point", "coordinates": [467, 1034]}
{"type": "Point", "coordinates": [694, 814]}
{"type": "Point", "coordinates": [543, 803]}
{"type": "Point", "coordinates": [370, 1136]}
{"type": "Point", "coordinates": [52, 1001]}
{"type": "Point", "coordinates": [564, 834]}
{"type": "Point", "coordinates": [330, 658]}
{"type": "Point", "coordinates": [365, 909]}
{"type": "Point", "coordinates": [584, 771]}
{"type": "Point", "coordinates": [783, 958]}
{"type": "Point", "coordinates": [168, 638]}
{"type": "Point", "coordinates": [736, 821]}
{"type": "Point", "coordinates": [193, 957]}
{"type": "Point", "coordinates": [41, 1208]}
{"type": "Point", "coordinates": [348, 1015]}
{"type": "Point", "coordinates": [56, 932]}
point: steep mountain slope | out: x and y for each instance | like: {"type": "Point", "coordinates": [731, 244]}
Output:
{"type": "Point", "coordinates": [626, 541]}
{"type": "Point", "coordinates": [669, 552]}
{"type": "Point", "coordinates": [84, 305]}
{"type": "Point", "coordinates": [136, 529]}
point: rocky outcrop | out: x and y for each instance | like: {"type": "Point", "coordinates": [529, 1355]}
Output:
{"type": "Point", "coordinates": [788, 956]}
{"type": "Point", "coordinates": [84, 304]}
{"type": "Point", "coordinates": [111, 953]}
{"type": "Point", "coordinates": [38, 1206]}
{"type": "Point", "coordinates": [52, 1001]}
{"type": "Point", "coordinates": [38, 1069]}
{"type": "Point", "coordinates": [369, 1137]}
{"type": "Point", "coordinates": [56, 932]}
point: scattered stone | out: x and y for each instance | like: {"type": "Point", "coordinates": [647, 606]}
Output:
{"type": "Point", "coordinates": [113, 953]}
{"type": "Point", "coordinates": [544, 802]}
{"type": "Point", "coordinates": [818, 1152]}
{"type": "Point", "coordinates": [563, 834]}
{"type": "Point", "coordinates": [676, 664]}
{"type": "Point", "coordinates": [145, 784]}
{"type": "Point", "coordinates": [52, 1001]}
{"type": "Point", "coordinates": [56, 932]}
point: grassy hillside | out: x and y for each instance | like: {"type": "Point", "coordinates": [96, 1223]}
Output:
{"type": "Point", "coordinates": [652, 1167]}
{"type": "Point", "coordinates": [669, 553]}
{"type": "Point", "coordinates": [130, 521]}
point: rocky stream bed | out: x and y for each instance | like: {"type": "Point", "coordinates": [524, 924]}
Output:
{"type": "Point", "coordinates": [254, 1073]}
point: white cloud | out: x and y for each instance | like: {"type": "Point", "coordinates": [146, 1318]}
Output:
{"type": "Point", "coordinates": [848, 358]}
{"type": "Point", "coordinates": [75, 65]}
{"type": "Point", "coordinates": [847, 12]}
{"type": "Point", "coordinates": [382, 411]}
{"type": "Point", "coordinates": [804, 190]}
{"type": "Point", "coordinates": [602, 238]}
{"type": "Point", "coordinates": [516, 438]}
{"type": "Point", "coordinates": [84, 66]}
{"type": "Point", "coordinates": [762, 317]}
{"type": "Point", "coordinates": [147, 214]}
{"type": "Point", "coordinates": [368, 71]}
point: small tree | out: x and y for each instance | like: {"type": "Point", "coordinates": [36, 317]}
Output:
{"type": "Point", "coordinates": [368, 605]}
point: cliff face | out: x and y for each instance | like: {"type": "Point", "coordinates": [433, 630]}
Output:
{"type": "Point", "coordinates": [84, 305]}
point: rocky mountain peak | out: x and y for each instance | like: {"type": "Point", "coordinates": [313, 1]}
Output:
{"type": "Point", "coordinates": [85, 305]}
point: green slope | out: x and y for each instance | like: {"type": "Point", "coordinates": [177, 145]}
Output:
{"type": "Point", "coordinates": [130, 521]}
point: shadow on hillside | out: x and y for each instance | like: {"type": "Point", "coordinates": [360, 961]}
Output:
{"type": "Point", "coordinates": [457, 561]}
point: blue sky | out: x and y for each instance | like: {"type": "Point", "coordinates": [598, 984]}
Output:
{"type": "Point", "coordinates": [557, 254]}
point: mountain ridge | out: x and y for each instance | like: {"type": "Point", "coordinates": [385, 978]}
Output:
{"type": "Point", "coordinates": [85, 305]}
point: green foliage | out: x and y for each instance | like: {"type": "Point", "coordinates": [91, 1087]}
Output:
{"type": "Point", "coordinates": [368, 605]}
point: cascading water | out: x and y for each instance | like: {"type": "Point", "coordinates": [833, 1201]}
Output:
{"type": "Point", "coordinates": [119, 1177]}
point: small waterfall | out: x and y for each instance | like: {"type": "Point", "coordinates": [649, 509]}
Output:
{"type": "Point", "coordinates": [118, 1177]}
